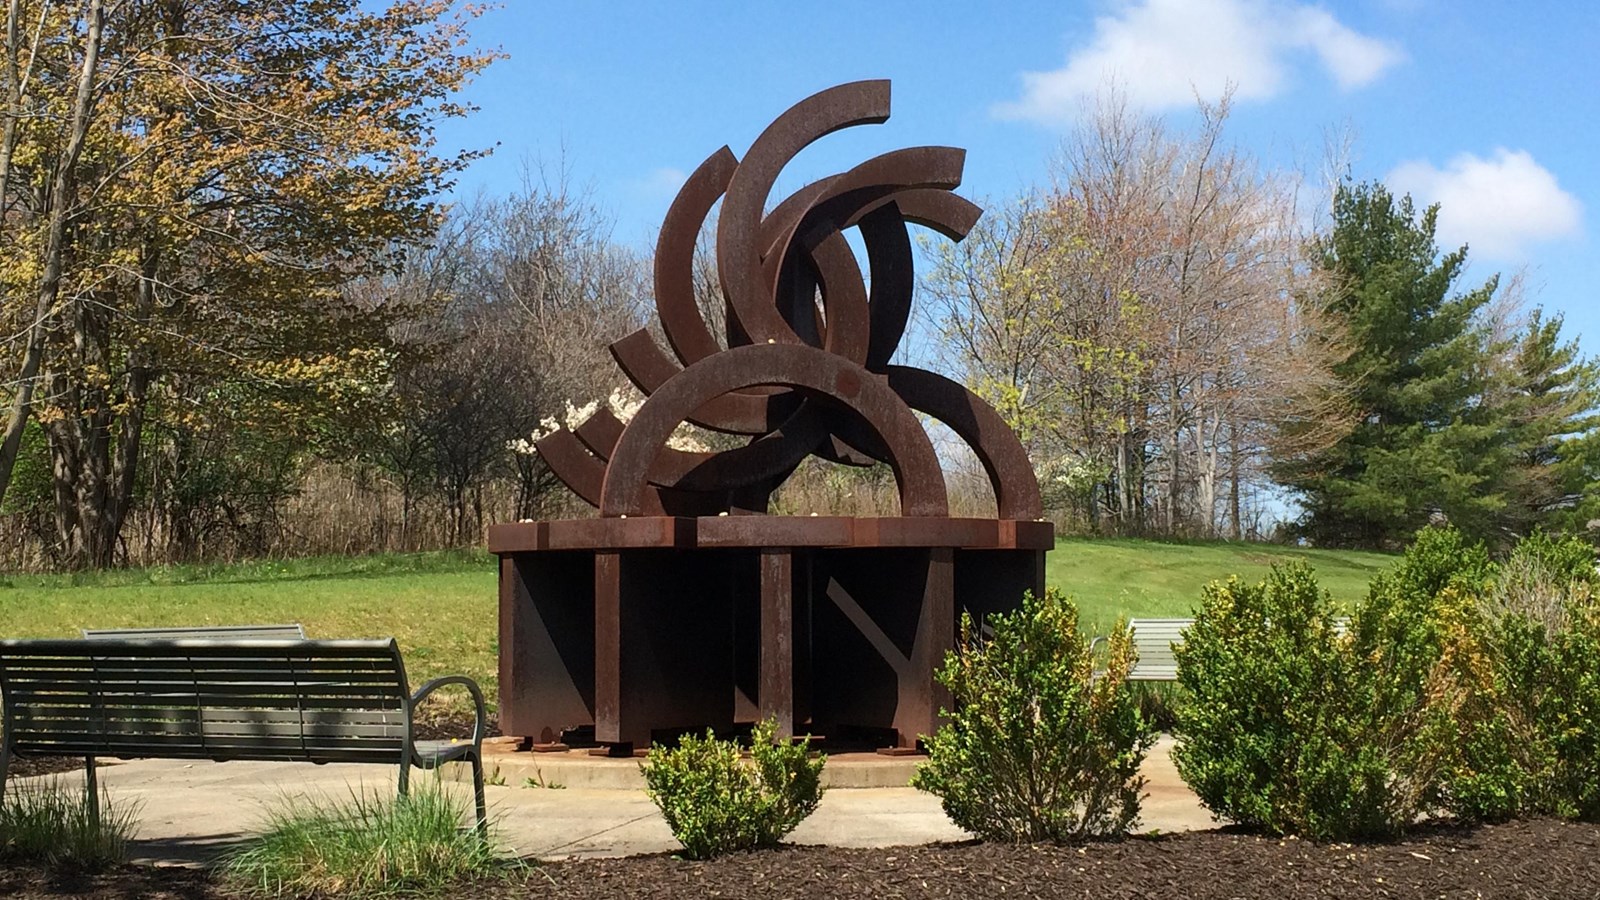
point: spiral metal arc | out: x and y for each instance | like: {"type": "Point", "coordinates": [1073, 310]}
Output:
{"type": "Point", "coordinates": [795, 376]}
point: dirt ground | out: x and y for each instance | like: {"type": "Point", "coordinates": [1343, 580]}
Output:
{"type": "Point", "coordinates": [1532, 859]}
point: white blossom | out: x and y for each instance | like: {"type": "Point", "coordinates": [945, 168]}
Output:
{"type": "Point", "coordinates": [681, 439]}
{"type": "Point", "coordinates": [623, 402]}
{"type": "Point", "coordinates": [577, 415]}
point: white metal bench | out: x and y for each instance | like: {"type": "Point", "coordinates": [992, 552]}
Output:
{"type": "Point", "coordinates": [1154, 639]}
{"type": "Point", "coordinates": [234, 699]}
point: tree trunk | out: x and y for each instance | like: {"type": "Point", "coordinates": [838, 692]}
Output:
{"type": "Point", "coordinates": [130, 433]}
{"type": "Point", "coordinates": [1234, 513]}
{"type": "Point", "coordinates": [1206, 445]}
{"type": "Point", "coordinates": [1124, 484]}
{"type": "Point", "coordinates": [1174, 438]}
{"type": "Point", "coordinates": [61, 209]}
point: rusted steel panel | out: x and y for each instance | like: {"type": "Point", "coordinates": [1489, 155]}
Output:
{"type": "Point", "coordinates": [777, 639]}
{"type": "Point", "coordinates": [776, 531]}
{"type": "Point", "coordinates": [598, 534]}
{"type": "Point", "coordinates": [547, 644]}
{"type": "Point", "coordinates": [908, 531]}
{"type": "Point", "coordinates": [519, 537]}
{"type": "Point", "coordinates": [1020, 535]}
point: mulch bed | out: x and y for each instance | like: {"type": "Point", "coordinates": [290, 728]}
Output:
{"type": "Point", "coordinates": [1540, 858]}
{"type": "Point", "coordinates": [453, 724]}
{"type": "Point", "coordinates": [27, 766]}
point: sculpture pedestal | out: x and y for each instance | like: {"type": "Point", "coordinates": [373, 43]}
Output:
{"type": "Point", "coordinates": [652, 626]}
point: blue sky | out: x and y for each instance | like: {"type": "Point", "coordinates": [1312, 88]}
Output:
{"type": "Point", "coordinates": [1492, 109]}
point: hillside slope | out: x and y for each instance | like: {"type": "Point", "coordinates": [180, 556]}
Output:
{"type": "Point", "coordinates": [1111, 577]}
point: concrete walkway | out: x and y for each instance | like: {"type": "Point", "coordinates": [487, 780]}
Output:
{"type": "Point", "coordinates": [190, 812]}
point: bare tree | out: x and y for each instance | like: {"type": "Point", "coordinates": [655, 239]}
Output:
{"type": "Point", "coordinates": [1146, 304]}
{"type": "Point", "coordinates": [514, 306]}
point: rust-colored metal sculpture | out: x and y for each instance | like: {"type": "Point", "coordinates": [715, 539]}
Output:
{"type": "Point", "coordinates": [685, 606]}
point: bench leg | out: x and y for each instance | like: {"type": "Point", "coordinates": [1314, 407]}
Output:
{"type": "Point", "coordinates": [91, 786]}
{"type": "Point", "coordinates": [5, 767]}
{"type": "Point", "coordinates": [405, 777]}
{"type": "Point", "coordinates": [477, 796]}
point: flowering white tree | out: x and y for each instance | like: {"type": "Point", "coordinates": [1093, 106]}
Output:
{"type": "Point", "coordinates": [624, 403]}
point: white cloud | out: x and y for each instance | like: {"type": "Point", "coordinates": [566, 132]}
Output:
{"type": "Point", "coordinates": [1354, 60]}
{"type": "Point", "coordinates": [1498, 205]}
{"type": "Point", "coordinates": [1161, 52]}
{"type": "Point", "coordinates": [664, 181]}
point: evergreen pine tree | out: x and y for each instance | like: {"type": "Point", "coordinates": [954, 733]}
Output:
{"type": "Point", "coordinates": [1421, 366]}
{"type": "Point", "coordinates": [1550, 402]}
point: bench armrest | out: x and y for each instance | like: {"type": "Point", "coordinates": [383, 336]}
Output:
{"type": "Point", "coordinates": [1094, 671]}
{"type": "Point", "coordinates": [447, 681]}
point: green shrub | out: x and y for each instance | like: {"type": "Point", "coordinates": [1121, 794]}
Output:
{"type": "Point", "coordinates": [1291, 726]}
{"type": "Point", "coordinates": [366, 846]}
{"type": "Point", "coordinates": [1262, 672]}
{"type": "Point", "coordinates": [1541, 580]}
{"type": "Point", "coordinates": [1417, 638]}
{"type": "Point", "coordinates": [1570, 717]}
{"type": "Point", "coordinates": [1038, 747]}
{"type": "Point", "coordinates": [716, 803]}
{"type": "Point", "coordinates": [1531, 730]}
{"type": "Point", "coordinates": [54, 823]}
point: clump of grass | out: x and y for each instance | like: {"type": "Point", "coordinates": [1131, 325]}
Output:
{"type": "Point", "coordinates": [1158, 702]}
{"type": "Point", "coordinates": [537, 780]}
{"type": "Point", "coordinates": [52, 822]}
{"type": "Point", "coordinates": [366, 846]}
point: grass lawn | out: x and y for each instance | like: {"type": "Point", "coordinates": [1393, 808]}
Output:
{"type": "Point", "coordinates": [441, 606]}
{"type": "Point", "coordinates": [1136, 578]}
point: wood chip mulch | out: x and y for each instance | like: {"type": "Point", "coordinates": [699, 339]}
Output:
{"type": "Point", "coordinates": [1531, 859]}
{"type": "Point", "coordinates": [29, 766]}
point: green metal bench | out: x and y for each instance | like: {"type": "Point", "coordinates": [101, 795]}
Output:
{"type": "Point", "coordinates": [233, 699]}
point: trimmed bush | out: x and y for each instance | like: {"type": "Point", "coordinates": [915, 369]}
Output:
{"type": "Point", "coordinates": [1531, 732]}
{"type": "Point", "coordinates": [1569, 718]}
{"type": "Point", "coordinates": [367, 846]}
{"type": "Point", "coordinates": [1039, 746]}
{"type": "Point", "coordinates": [1461, 688]}
{"type": "Point", "coordinates": [716, 803]}
{"type": "Point", "coordinates": [1263, 677]}
{"type": "Point", "coordinates": [1290, 726]}
{"type": "Point", "coordinates": [1417, 641]}
{"type": "Point", "coordinates": [51, 822]}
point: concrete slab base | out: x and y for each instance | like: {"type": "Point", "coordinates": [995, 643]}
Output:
{"type": "Point", "coordinates": [193, 812]}
{"type": "Point", "coordinates": [579, 769]}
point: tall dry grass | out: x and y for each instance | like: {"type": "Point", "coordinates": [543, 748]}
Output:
{"type": "Point", "coordinates": [339, 511]}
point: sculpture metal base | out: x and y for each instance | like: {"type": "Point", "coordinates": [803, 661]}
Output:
{"type": "Point", "coordinates": [651, 627]}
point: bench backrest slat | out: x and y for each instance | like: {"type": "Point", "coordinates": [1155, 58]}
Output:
{"type": "Point", "coordinates": [293, 632]}
{"type": "Point", "coordinates": [322, 701]}
{"type": "Point", "coordinates": [1154, 640]}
